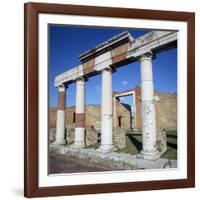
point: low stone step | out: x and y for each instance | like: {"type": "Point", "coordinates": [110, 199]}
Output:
{"type": "Point", "coordinates": [113, 160]}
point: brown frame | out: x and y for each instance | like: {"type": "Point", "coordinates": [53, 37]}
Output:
{"type": "Point", "coordinates": [31, 188]}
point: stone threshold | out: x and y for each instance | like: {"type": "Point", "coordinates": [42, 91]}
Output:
{"type": "Point", "coordinates": [113, 160]}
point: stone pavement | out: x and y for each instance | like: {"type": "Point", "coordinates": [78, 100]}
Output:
{"type": "Point", "coordinates": [113, 160]}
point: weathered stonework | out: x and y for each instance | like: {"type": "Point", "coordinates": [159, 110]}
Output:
{"type": "Point", "coordinates": [161, 141]}
{"type": "Point", "coordinates": [61, 100]}
{"type": "Point", "coordinates": [119, 137]}
{"type": "Point", "coordinates": [88, 67]}
{"type": "Point", "coordinates": [113, 160]}
{"type": "Point", "coordinates": [152, 41]}
{"type": "Point", "coordinates": [123, 113]}
{"type": "Point", "coordinates": [93, 116]}
{"type": "Point", "coordinates": [166, 113]}
{"type": "Point", "coordinates": [80, 120]}
{"type": "Point", "coordinates": [119, 53]}
{"type": "Point", "coordinates": [148, 124]}
{"type": "Point", "coordinates": [93, 137]}
{"type": "Point", "coordinates": [105, 58]}
{"type": "Point", "coordinates": [60, 116]}
{"type": "Point", "coordinates": [138, 107]}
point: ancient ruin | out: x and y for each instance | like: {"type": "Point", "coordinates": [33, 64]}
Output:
{"type": "Point", "coordinates": [105, 59]}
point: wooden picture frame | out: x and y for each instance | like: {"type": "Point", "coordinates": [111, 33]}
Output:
{"type": "Point", "coordinates": [31, 87]}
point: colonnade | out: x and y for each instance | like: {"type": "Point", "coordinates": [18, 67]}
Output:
{"type": "Point", "coordinates": [149, 150]}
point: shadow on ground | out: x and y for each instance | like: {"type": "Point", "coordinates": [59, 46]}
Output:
{"type": "Point", "coordinates": [135, 141]}
{"type": "Point", "coordinates": [134, 144]}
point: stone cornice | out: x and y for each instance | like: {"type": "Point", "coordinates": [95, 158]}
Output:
{"type": "Point", "coordinates": [92, 64]}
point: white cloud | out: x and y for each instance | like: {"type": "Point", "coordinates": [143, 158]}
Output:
{"type": "Point", "coordinates": [124, 82]}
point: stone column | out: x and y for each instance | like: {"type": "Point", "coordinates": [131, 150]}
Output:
{"type": "Point", "coordinates": [79, 138]}
{"type": "Point", "coordinates": [106, 112]}
{"type": "Point", "coordinates": [133, 112]}
{"type": "Point", "coordinates": [114, 112]}
{"type": "Point", "coordinates": [149, 149]}
{"type": "Point", "coordinates": [60, 123]}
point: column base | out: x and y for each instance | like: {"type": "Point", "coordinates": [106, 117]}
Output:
{"type": "Point", "coordinates": [106, 148]}
{"type": "Point", "coordinates": [78, 145]}
{"type": "Point", "coordinates": [149, 155]}
{"type": "Point", "coordinates": [59, 141]}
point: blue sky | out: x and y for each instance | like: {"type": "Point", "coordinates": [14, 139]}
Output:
{"type": "Point", "coordinates": [67, 42]}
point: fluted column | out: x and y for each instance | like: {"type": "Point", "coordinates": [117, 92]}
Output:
{"type": "Point", "coordinates": [149, 149]}
{"type": "Point", "coordinates": [60, 123]}
{"type": "Point", "coordinates": [79, 138]}
{"type": "Point", "coordinates": [106, 112]}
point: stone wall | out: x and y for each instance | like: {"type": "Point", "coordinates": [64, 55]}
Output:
{"type": "Point", "coordinates": [123, 116]}
{"type": "Point", "coordinates": [166, 111]}
{"type": "Point", "coordinates": [93, 116]}
{"type": "Point", "coordinates": [93, 124]}
{"type": "Point", "coordinates": [165, 105]}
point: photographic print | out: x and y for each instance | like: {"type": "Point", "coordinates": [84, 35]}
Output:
{"type": "Point", "coordinates": [112, 99]}
{"type": "Point", "coordinates": [109, 100]}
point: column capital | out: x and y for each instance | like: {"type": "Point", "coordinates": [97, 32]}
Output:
{"type": "Point", "coordinates": [108, 68]}
{"type": "Point", "coordinates": [62, 88]}
{"type": "Point", "coordinates": [82, 78]}
{"type": "Point", "coordinates": [146, 56]}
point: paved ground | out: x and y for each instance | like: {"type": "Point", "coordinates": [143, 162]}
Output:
{"type": "Point", "coordinates": [64, 159]}
{"type": "Point", "coordinates": [64, 164]}
{"type": "Point", "coordinates": [59, 163]}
